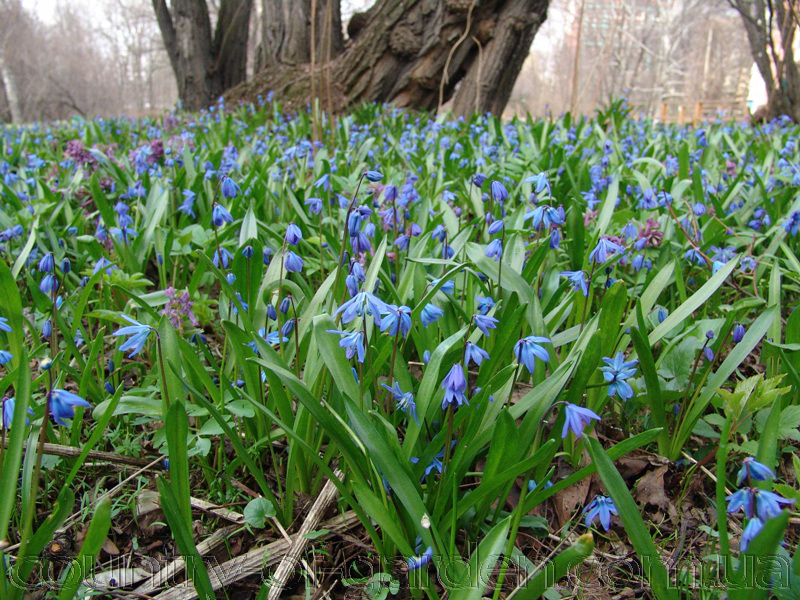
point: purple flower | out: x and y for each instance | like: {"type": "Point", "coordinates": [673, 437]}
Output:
{"type": "Point", "coordinates": [576, 418]}
{"type": "Point", "coordinates": [496, 227]}
{"type": "Point", "coordinates": [603, 249]}
{"type": "Point", "coordinates": [602, 507]}
{"type": "Point", "coordinates": [499, 191]}
{"type": "Point", "coordinates": [230, 188]}
{"type": "Point", "coordinates": [454, 386]}
{"type": "Point", "coordinates": [738, 333]}
{"type": "Point", "coordinates": [314, 205]}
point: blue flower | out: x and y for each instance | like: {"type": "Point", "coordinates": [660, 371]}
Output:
{"type": "Point", "coordinates": [499, 191]}
{"type": "Point", "coordinates": [230, 189]}
{"type": "Point", "coordinates": [417, 562]}
{"type": "Point", "coordinates": [616, 374]}
{"type": "Point", "coordinates": [454, 386]}
{"type": "Point", "coordinates": [8, 413]}
{"type": "Point", "coordinates": [398, 319]}
{"type": "Point", "coordinates": [124, 233]}
{"type": "Point", "coordinates": [314, 205]}
{"type": "Point", "coordinates": [603, 249]}
{"type": "Point", "coordinates": [754, 470]}
{"type": "Point", "coordinates": [356, 306]}
{"type": "Point", "coordinates": [528, 349]}
{"type": "Point", "coordinates": [496, 227]}
{"type": "Point", "coordinates": [495, 249]}
{"type": "Point", "coordinates": [4, 326]}
{"type": "Point", "coordinates": [63, 403]}
{"type": "Point", "coordinates": [743, 499]}
{"type": "Point", "coordinates": [187, 206]}
{"type": "Point", "coordinates": [293, 263]}
{"type": "Point", "coordinates": [293, 234]}
{"type": "Point", "coordinates": [373, 176]}
{"type": "Point", "coordinates": [484, 304]}
{"type": "Point", "coordinates": [222, 255]}
{"type": "Point", "coordinates": [405, 400]}
{"type": "Point", "coordinates": [768, 504]}
{"type": "Point", "coordinates": [751, 530]}
{"type": "Point", "coordinates": [352, 342]}
{"type": "Point", "coordinates": [738, 333]}
{"type": "Point", "coordinates": [447, 287]}
{"type": "Point", "coordinates": [474, 353]}
{"type": "Point", "coordinates": [47, 263]}
{"type": "Point", "coordinates": [220, 215]}
{"type": "Point", "coordinates": [139, 334]}
{"type": "Point", "coordinates": [430, 314]}
{"type": "Point", "coordinates": [578, 280]}
{"type": "Point", "coordinates": [324, 182]}
{"type": "Point", "coordinates": [5, 357]}
{"type": "Point", "coordinates": [484, 323]}
{"type": "Point", "coordinates": [576, 418]}
{"type": "Point", "coordinates": [602, 507]}
{"type": "Point", "coordinates": [49, 284]}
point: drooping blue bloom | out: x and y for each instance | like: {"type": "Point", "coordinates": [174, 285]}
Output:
{"type": "Point", "coordinates": [603, 249]}
{"type": "Point", "coordinates": [751, 530]}
{"type": "Point", "coordinates": [768, 504]}
{"type": "Point", "coordinates": [49, 284]}
{"type": "Point", "coordinates": [447, 287]}
{"type": "Point", "coordinates": [499, 191]}
{"type": "Point", "coordinates": [373, 176]}
{"type": "Point", "coordinates": [793, 223]}
{"type": "Point", "coordinates": [578, 280]}
{"type": "Point", "coordinates": [4, 326]}
{"type": "Point", "coordinates": [63, 403]}
{"type": "Point", "coordinates": [229, 188]}
{"type": "Point", "coordinates": [601, 507]}
{"type": "Point", "coordinates": [324, 182]}
{"type": "Point", "coordinates": [439, 233]}
{"type": "Point", "coordinates": [484, 323]}
{"type": "Point", "coordinates": [616, 373]}
{"type": "Point", "coordinates": [222, 256]}
{"type": "Point", "coordinates": [484, 304]}
{"type": "Point", "coordinates": [8, 413]}
{"type": "Point", "coordinates": [528, 349]}
{"type": "Point", "coordinates": [139, 334]}
{"type": "Point", "coordinates": [743, 499]}
{"type": "Point", "coordinates": [474, 353]}
{"type": "Point", "coordinates": [47, 329]}
{"type": "Point", "coordinates": [405, 400]}
{"type": "Point", "coordinates": [576, 418]}
{"type": "Point", "coordinates": [417, 562]}
{"type": "Point", "coordinates": [753, 470]}
{"type": "Point", "coordinates": [66, 265]}
{"type": "Point", "coordinates": [738, 333]}
{"type": "Point", "coordinates": [47, 263]}
{"type": "Point", "coordinates": [454, 386]}
{"type": "Point", "coordinates": [496, 227]}
{"type": "Point", "coordinates": [430, 314]}
{"type": "Point", "coordinates": [352, 342]}
{"type": "Point", "coordinates": [495, 249]}
{"type": "Point", "coordinates": [398, 319]}
{"type": "Point", "coordinates": [293, 263]}
{"type": "Point", "coordinates": [435, 464]}
{"type": "Point", "coordinates": [5, 357]}
{"type": "Point", "coordinates": [124, 233]}
{"type": "Point", "coordinates": [358, 304]}
{"type": "Point", "coordinates": [314, 205]}
{"type": "Point", "coordinates": [220, 215]}
{"type": "Point", "coordinates": [187, 206]}
{"type": "Point", "coordinates": [293, 234]}
{"type": "Point", "coordinates": [539, 182]}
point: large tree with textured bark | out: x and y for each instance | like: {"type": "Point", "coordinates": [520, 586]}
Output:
{"type": "Point", "coordinates": [205, 63]}
{"type": "Point", "coordinates": [771, 26]}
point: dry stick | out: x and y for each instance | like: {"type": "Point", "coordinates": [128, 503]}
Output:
{"type": "Point", "coordinates": [445, 77]}
{"type": "Point", "coordinates": [326, 497]}
{"type": "Point", "coordinates": [476, 108]}
{"type": "Point", "coordinates": [72, 452]}
{"type": "Point", "coordinates": [254, 561]}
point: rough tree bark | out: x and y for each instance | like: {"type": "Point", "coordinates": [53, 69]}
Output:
{"type": "Point", "coordinates": [204, 66]}
{"type": "Point", "coordinates": [9, 13]}
{"type": "Point", "coordinates": [402, 51]}
{"type": "Point", "coordinates": [770, 28]}
{"type": "Point", "coordinates": [399, 51]}
{"type": "Point", "coordinates": [286, 32]}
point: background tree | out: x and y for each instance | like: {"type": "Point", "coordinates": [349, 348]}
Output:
{"type": "Point", "coordinates": [205, 64]}
{"type": "Point", "coordinates": [771, 26]}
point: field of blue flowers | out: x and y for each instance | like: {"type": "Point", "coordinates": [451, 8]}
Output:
{"type": "Point", "coordinates": [247, 353]}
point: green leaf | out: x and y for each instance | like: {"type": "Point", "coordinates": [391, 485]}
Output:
{"type": "Point", "coordinates": [257, 511]}
{"type": "Point", "coordinates": [565, 560]}
{"type": "Point", "coordinates": [639, 536]}
{"type": "Point", "coordinates": [472, 581]}
{"type": "Point", "coordinates": [83, 565]}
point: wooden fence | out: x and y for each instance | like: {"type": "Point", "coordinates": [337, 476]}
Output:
{"type": "Point", "coordinates": [685, 112]}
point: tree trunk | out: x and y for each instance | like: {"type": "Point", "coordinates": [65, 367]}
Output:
{"type": "Point", "coordinates": [401, 54]}
{"type": "Point", "coordinates": [204, 67]}
{"type": "Point", "coordinates": [10, 88]}
{"type": "Point", "coordinates": [286, 32]}
{"type": "Point", "coordinates": [776, 64]}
